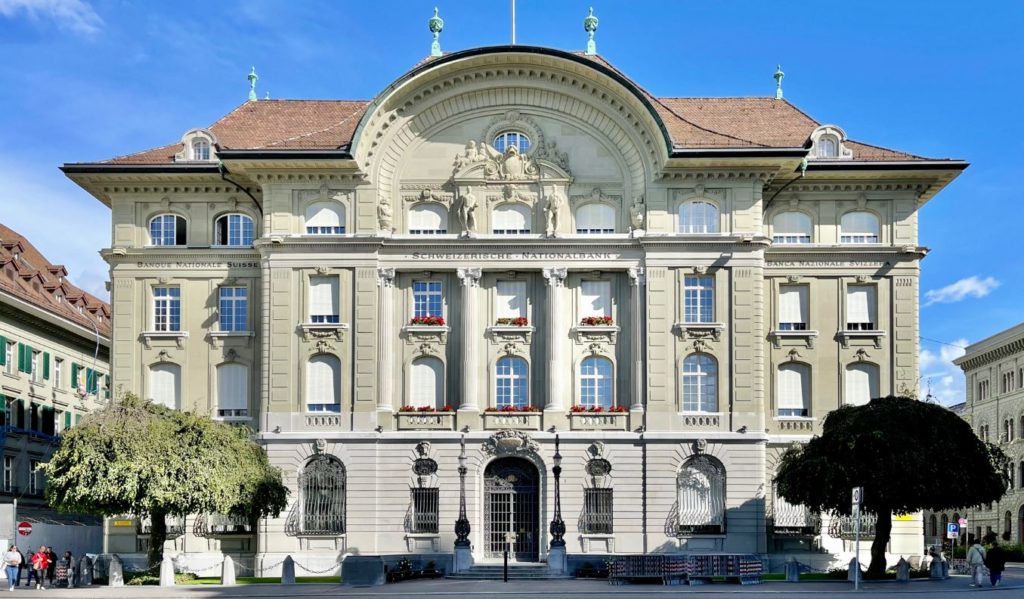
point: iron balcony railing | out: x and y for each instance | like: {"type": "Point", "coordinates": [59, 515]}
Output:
{"type": "Point", "coordinates": [212, 525]}
{"type": "Point", "coordinates": [175, 526]}
{"type": "Point", "coordinates": [844, 527]}
{"type": "Point", "coordinates": [597, 512]}
{"type": "Point", "coordinates": [425, 504]}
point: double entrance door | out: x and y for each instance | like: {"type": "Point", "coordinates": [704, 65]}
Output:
{"type": "Point", "coordinates": [511, 488]}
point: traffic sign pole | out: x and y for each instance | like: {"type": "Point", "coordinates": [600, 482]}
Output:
{"type": "Point", "coordinates": [857, 500]}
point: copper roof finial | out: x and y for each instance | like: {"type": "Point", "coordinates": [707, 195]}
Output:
{"type": "Point", "coordinates": [778, 81]}
{"type": "Point", "coordinates": [436, 26]}
{"type": "Point", "coordinates": [590, 26]}
{"type": "Point", "coordinates": [252, 84]}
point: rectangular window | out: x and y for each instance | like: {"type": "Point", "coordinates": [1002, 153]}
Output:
{"type": "Point", "coordinates": [983, 390]}
{"type": "Point", "coordinates": [36, 366]}
{"type": "Point", "coordinates": [234, 308]}
{"type": "Point", "coordinates": [595, 298]}
{"type": "Point", "coordinates": [58, 373]}
{"type": "Point", "coordinates": [33, 477]}
{"type": "Point", "coordinates": [166, 309]}
{"type": "Point", "coordinates": [427, 299]}
{"type": "Point", "coordinates": [698, 299]}
{"type": "Point", "coordinates": [597, 512]}
{"type": "Point", "coordinates": [861, 308]}
{"type": "Point", "coordinates": [323, 300]}
{"type": "Point", "coordinates": [510, 299]}
{"type": "Point", "coordinates": [8, 473]}
{"type": "Point", "coordinates": [9, 364]}
{"type": "Point", "coordinates": [8, 408]}
{"type": "Point", "coordinates": [793, 308]}
{"type": "Point", "coordinates": [425, 503]}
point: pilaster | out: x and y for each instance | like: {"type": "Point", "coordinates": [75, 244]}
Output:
{"type": "Point", "coordinates": [386, 347]}
{"type": "Point", "coordinates": [470, 279]}
{"type": "Point", "coordinates": [558, 366]}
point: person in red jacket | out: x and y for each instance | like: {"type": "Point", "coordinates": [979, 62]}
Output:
{"type": "Point", "coordinates": [40, 562]}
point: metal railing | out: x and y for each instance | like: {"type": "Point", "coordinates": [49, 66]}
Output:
{"type": "Point", "coordinates": [597, 512]}
{"type": "Point", "coordinates": [424, 516]}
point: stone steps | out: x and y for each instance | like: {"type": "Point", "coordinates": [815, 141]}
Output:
{"type": "Point", "coordinates": [515, 572]}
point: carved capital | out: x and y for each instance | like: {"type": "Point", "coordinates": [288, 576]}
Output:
{"type": "Point", "coordinates": [386, 277]}
{"type": "Point", "coordinates": [637, 277]}
{"type": "Point", "coordinates": [555, 276]}
{"type": "Point", "coordinates": [470, 277]}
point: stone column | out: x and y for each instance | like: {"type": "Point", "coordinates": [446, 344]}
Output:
{"type": "Point", "coordinates": [557, 330]}
{"type": "Point", "coordinates": [636, 337]}
{"type": "Point", "coordinates": [470, 278]}
{"type": "Point", "coordinates": [386, 349]}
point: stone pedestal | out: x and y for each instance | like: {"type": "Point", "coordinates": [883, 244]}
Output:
{"type": "Point", "coordinates": [792, 570]}
{"type": "Point", "coordinates": [362, 571]}
{"type": "Point", "coordinates": [902, 571]}
{"type": "Point", "coordinates": [115, 573]}
{"type": "Point", "coordinates": [557, 562]}
{"type": "Point", "coordinates": [85, 572]}
{"type": "Point", "coordinates": [227, 571]}
{"type": "Point", "coordinates": [463, 559]}
{"type": "Point", "coordinates": [167, 572]}
{"type": "Point", "coordinates": [288, 571]}
{"type": "Point", "coordinates": [853, 574]}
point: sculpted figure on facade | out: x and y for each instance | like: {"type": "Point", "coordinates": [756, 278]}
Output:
{"type": "Point", "coordinates": [638, 213]}
{"type": "Point", "coordinates": [553, 213]}
{"type": "Point", "coordinates": [467, 213]}
{"type": "Point", "coordinates": [384, 215]}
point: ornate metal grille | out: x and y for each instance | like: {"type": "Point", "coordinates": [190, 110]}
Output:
{"type": "Point", "coordinates": [511, 505]}
{"type": "Point", "coordinates": [211, 525]}
{"type": "Point", "coordinates": [701, 487]}
{"type": "Point", "coordinates": [597, 511]}
{"type": "Point", "coordinates": [845, 527]}
{"type": "Point", "coordinates": [423, 518]}
{"type": "Point", "coordinates": [320, 509]}
{"type": "Point", "coordinates": [175, 526]}
{"type": "Point", "coordinates": [787, 519]}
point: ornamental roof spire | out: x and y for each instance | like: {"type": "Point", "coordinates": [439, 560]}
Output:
{"type": "Point", "coordinates": [436, 25]}
{"type": "Point", "coordinates": [778, 81]}
{"type": "Point", "coordinates": [590, 26]}
{"type": "Point", "coordinates": [252, 84]}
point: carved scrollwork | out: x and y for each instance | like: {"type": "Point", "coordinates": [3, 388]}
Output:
{"type": "Point", "coordinates": [509, 442]}
{"type": "Point", "coordinates": [598, 467]}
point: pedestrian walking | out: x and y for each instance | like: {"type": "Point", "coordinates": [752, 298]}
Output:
{"type": "Point", "coordinates": [995, 560]}
{"type": "Point", "coordinates": [21, 566]}
{"type": "Point", "coordinates": [51, 568]}
{"type": "Point", "coordinates": [69, 572]}
{"type": "Point", "coordinates": [40, 563]}
{"type": "Point", "coordinates": [976, 562]}
{"type": "Point", "coordinates": [12, 566]}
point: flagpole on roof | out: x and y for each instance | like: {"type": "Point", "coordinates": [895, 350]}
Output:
{"type": "Point", "coordinates": [513, 22]}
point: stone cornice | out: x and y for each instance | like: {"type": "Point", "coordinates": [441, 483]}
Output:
{"type": "Point", "coordinates": [1006, 350]}
{"type": "Point", "coordinates": [863, 253]}
{"type": "Point", "coordinates": [17, 311]}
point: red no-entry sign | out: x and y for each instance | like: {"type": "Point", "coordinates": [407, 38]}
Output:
{"type": "Point", "coordinates": [24, 528]}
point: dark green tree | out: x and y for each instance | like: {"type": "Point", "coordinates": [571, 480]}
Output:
{"type": "Point", "coordinates": [136, 457]}
{"type": "Point", "coordinates": [907, 454]}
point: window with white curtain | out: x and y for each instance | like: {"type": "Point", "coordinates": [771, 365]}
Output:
{"type": "Point", "coordinates": [427, 383]}
{"type": "Point", "coordinates": [510, 219]}
{"type": "Point", "coordinates": [323, 300]}
{"type": "Point", "coordinates": [700, 490]}
{"type": "Point", "coordinates": [793, 389]}
{"type": "Point", "coordinates": [510, 299]}
{"type": "Point", "coordinates": [697, 216]}
{"type": "Point", "coordinates": [323, 384]}
{"type": "Point", "coordinates": [858, 227]}
{"type": "Point", "coordinates": [700, 383]}
{"type": "Point", "coordinates": [791, 228]}
{"type": "Point", "coordinates": [595, 218]}
{"type": "Point", "coordinates": [200, 149]}
{"type": "Point", "coordinates": [325, 218]}
{"type": "Point", "coordinates": [232, 391]}
{"type": "Point", "coordinates": [698, 299]}
{"type": "Point", "coordinates": [595, 298]}
{"type": "Point", "coordinates": [596, 383]}
{"type": "Point", "coordinates": [827, 147]}
{"type": "Point", "coordinates": [861, 383]}
{"type": "Point", "coordinates": [793, 307]}
{"type": "Point", "coordinates": [861, 308]}
{"type": "Point", "coordinates": [165, 385]}
{"type": "Point", "coordinates": [428, 219]}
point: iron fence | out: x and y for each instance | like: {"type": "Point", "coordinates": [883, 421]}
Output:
{"type": "Point", "coordinates": [425, 502]}
{"type": "Point", "coordinates": [597, 511]}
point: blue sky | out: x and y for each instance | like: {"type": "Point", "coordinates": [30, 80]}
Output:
{"type": "Point", "coordinates": [87, 80]}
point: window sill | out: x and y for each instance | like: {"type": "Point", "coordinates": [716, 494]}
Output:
{"type": "Point", "coordinates": [419, 332]}
{"type": "Point", "coordinates": [699, 330]}
{"type": "Point", "coordinates": [179, 337]}
{"type": "Point", "coordinates": [702, 420]}
{"type": "Point", "coordinates": [846, 336]}
{"type": "Point", "coordinates": [321, 330]}
{"type": "Point", "coordinates": [217, 338]}
{"type": "Point", "coordinates": [598, 421]}
{"type": "Point", "coordinates": [585, 333]}
{"type": "Point", "coordinates": [808, 337]}
{"type": "Point", "coordinates": [411, 421]}
{"type": "Point", "coordinates": [509, 332]}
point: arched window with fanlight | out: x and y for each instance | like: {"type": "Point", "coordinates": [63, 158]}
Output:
{"type": "Point", "coordinates": [235, 230]}
{"type": "Point", "coordinates": [426, 388]}
{"type": "Point", "coordinates": [698, 216]}
{"type": "Point", "coordinates": [510, 219]}
{"type": "Point", "coordinates": [827, 147]}
{"type": "Point", "coordinates": [200, 149]}
{"type": "Point", "coordinates": [700, 383]}
{"type": "Point", "coordinates": [595, 219]}
{"type": "Point", "coordinates": [700, 489]}
{"type": "Point", "coordinates": [325, 218]}
{"type": "Point", "coordinates": [859, 227]}
{"type": "Point", "coordinates": [793, 390]}
{"type": "Point", "coordinates": [428, 219]}
{"type": "Point", "coordinates": [167, 229]}
{"type": "Point", "coordinates": [165, 385]}
{"type": "Point", "coordinates": [511, 383]}
{"type": "Point", "coordinates": [596, 383]}
{"type": "Point", "coordinates": [232, 391]}
{"type": "Point", "coordinates": [791, 228]}
{"type": "Point", "coordinates": [511, 138]}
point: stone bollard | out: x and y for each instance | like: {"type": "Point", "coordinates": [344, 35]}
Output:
{"type": "Point", "coordinates": [167, 571]}
{"type": "Point", "coordinates": [115, 572]}
{"type": "Point", "coordinates": [935, 569]}
{"type": "Point", "coordinates": [945, 568]}
{"type": "Point", "coordinates": [85, 572]}
{"type": "Point", "coordinates": [902, 571]}
{"type": "Point", "coordinates": [288, 571]}
{"type": "Point", "coordinates": [792, 570]}
{"type": "Point", "coordinates": [853, 574]}
{"type": "Point", "coordinates": [227, 572]}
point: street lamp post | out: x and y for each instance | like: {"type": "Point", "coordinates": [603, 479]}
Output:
{"type": "Point", "coordinates": [556, 554]}
{"type": "Point", "coordinates": [463, 552]}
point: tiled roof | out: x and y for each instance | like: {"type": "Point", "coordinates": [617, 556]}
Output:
{"type": "Point", "coordinates": [26, 274]}
{"type": "Point", "coordinates": [692, 123]}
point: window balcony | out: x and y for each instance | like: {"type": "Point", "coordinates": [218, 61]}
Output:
{"type": "Point", "coordinates": [219, 338]}
{"type": "Point", "coordinates": [323, 330]}
{"type": "Point", "coordinates": [847, 335]}
{"type": "Point", "coordinates": [794, 424]}
{"type": "Point", "coordinates": [699, 330]}
{"type": "Point", "coordinates": [591, 333]}
{"type": "Point", "coordinates": [598, 421]}
{"type": "Point", "coordinates": [702, 421]}
{"type": "Point", "coordinates": [517, 421]}
{"type": "Point", "coordinates": [778, 336]}
{"type": "Point", "coordinates": [415, 420]}
{"type": "Point", "coordinates": [421, 333]}
{"type": "Point", "coordinates": [178, 337]}
{"type": "Point", "coordinates": [505, 333]}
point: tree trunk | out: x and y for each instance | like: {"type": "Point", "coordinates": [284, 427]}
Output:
{"type": "Point", "coordinates": [883, 530]}
{"type": "Point", "coordinates": [157, 536]}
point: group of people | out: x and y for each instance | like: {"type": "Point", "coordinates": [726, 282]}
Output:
{"type": "Point", "coordinates": [993, 558]}
{"type": "Point", "coordinates": [42, 566]}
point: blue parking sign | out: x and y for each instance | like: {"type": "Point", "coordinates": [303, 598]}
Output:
{"type": "Point", "coordinates": [952, 530]}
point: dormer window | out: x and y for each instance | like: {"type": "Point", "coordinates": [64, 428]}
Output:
{"type": "Point", "coordinates": [59, 298]}
{"type": "Point", "coordinates": [829, 142]}
{"type": "Point", "coordinates": [508, 139]}
{"type": "Point", "coordinates": [200, 149]}
{"type": "Point", "coordinates": [197, 145]}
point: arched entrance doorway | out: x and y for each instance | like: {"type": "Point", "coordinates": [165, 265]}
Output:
{"type": "Point", "coordinates": [511, 491]}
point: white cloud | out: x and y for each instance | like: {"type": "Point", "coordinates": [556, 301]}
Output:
{"type": "Point", "coordinates": [940, 378]}
{"type": "Point", "coordinates": [72, 15]}
{"type": "Point", "coordinates": [972, 286]}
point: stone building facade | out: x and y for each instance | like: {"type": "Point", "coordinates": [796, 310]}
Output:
{"type": "Point", "coordinates": [507, 247]}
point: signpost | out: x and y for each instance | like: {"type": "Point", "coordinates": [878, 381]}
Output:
{"type": "Point", "coordinates": [857, 500]}
{"type": "Point", "coordinates": [24, 528]}
{"type": "Point", "coordinates": [953, 531]}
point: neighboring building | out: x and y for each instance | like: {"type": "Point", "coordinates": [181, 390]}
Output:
{"type": "Point", "coordinates": [54, 365]}
{"type": "Point", "coordinates": [994, 368]}
{"type": "Point", "coordinates": [511, 245]}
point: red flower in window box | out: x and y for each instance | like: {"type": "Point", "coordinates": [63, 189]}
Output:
{"type": "Point", "coordinates": [448, 408]}
{"type": "Point", "coordinates": [519, 321]}
{"type": "Point", "coordinates": [597, 321]}
{"type": "Point", "coordinates": [514, 409]}
{"type": "Point", "coordinates": [430, 321]}
{"type": "Point", "coordinates": [619, 409]}
{"type": "Point", "coordinates": [577, 409]}
{"type": "Point", "coordinates": [407, 409]}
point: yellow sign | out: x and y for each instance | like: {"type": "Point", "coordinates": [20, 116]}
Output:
{"type": "Point", "coordinates": [906, 518]}
{"type": "Point", "coordinates": [123, 523]}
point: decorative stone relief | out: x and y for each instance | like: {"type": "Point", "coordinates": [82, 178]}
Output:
{"type": "Point", "coordinates": [700, 446]}
{"type": "Point", "coordinates": [324, 346]}
{"type": "Point", "coordinates": [555, 276]}
{"type": "Point", "coordinates": [385, 277]}
{"type": "Point", "coordinates": [794, 355]}
{"type": "Point", "coordinates": [638, 214]}
{"type": "Point", "coordinates": [427, 194]}
{"type": "Point", "coordinates": [862, 355]}
{"type": "Point", "coordinates": [470, 277]}
{"type": "Point", "coordinates": [320, 446]}
{"type": "Point", "coordinates": [384, 215]}
{"type": "Point", "coordinates": [637, 276]}
{"type": "Point", "coordinates": [596, 449]}
{"type": "Point", "coordinates": [512, 193]}
{"type": "Point", "coordinates": [468, 205]}
{"type": "Point", "coordinates": [508, 442]}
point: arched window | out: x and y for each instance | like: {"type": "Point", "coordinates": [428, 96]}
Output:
{"type": "Point", "coordinates": [701, 495]}
{"type": "Point", "coordinates": [165, 385]}
{"type": "Point", "coordinates": [232, 391]}
{"type": "Point", "coordinates": [858, 227]}
{"type": "Point", "coordinates": [596, 383]}
{"type": "Point", "coordinates": [233, 230]}
{"type": "Point", "coordinates": [794, 390]}
{"type": "Point", "coordinates": [933, 526]}
{"type": "Point", "coordinates": [596, 219]}
{"type": "Point", "coordinates": [827, 147]}
{"type": "Point", "coordinates": [700, 383]}
{"type": "Point", "coordinates": [167, 229]}
{"type": "Point", "coordinates": [511, 219]}
{"type": "Point", "coordinates": [323, 384]}
{"type": "Point", "coordinates": [697, 216]}
{"type": "Point", "coordinates": [200, 149]}
{"type": "Point", "coordinates": [428, 219]}
{"type": "Point", "coordinates": [325, 218]}
{"type": "Point", "coordinates": [861, 383]}
{"type": "Point", "coordinates": [791, 228]}
{"type": "Point", "coordinates": [512, 389]}
{"type": "Point", "coordinates": [322, 486]}
{"type": "Point", "coordinates": [507, 139]}
{"type": "Point", "coordinates": [427, 383]}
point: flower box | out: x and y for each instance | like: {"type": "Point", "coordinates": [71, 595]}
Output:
{"type": "Point", "coordinates": [429, 321]}
{"type": "Point", "coordinates": [520, 321]}
{"type": "Point", "coordinates": [597, 321]}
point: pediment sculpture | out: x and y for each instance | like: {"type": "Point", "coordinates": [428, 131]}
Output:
{"type": "Point", "coordinates": [509, 442]}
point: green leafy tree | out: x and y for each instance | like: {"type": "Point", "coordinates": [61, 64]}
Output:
{"type": "Point", "coordinates": [908, 455]}
{"type": "Point", "coordinates": [136, 457]}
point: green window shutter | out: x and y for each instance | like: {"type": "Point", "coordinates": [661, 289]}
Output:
{"type": "Point", "coordinates": [78, 418]}
{"type": "Point", "coordinates": [46, 366]}
{"type": "Point", "coordinates": [90, 380]}
{"type": "Point", "coordinates": [21, 357]}
{"type": "Point", "coordinates": [3, 350]}
{"type": "Point", "coordinates": [67, 420]}
{"type": "Point", "coordinates": [74, 377]}
{"type": "Point", "coordinates": [3, 411]}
